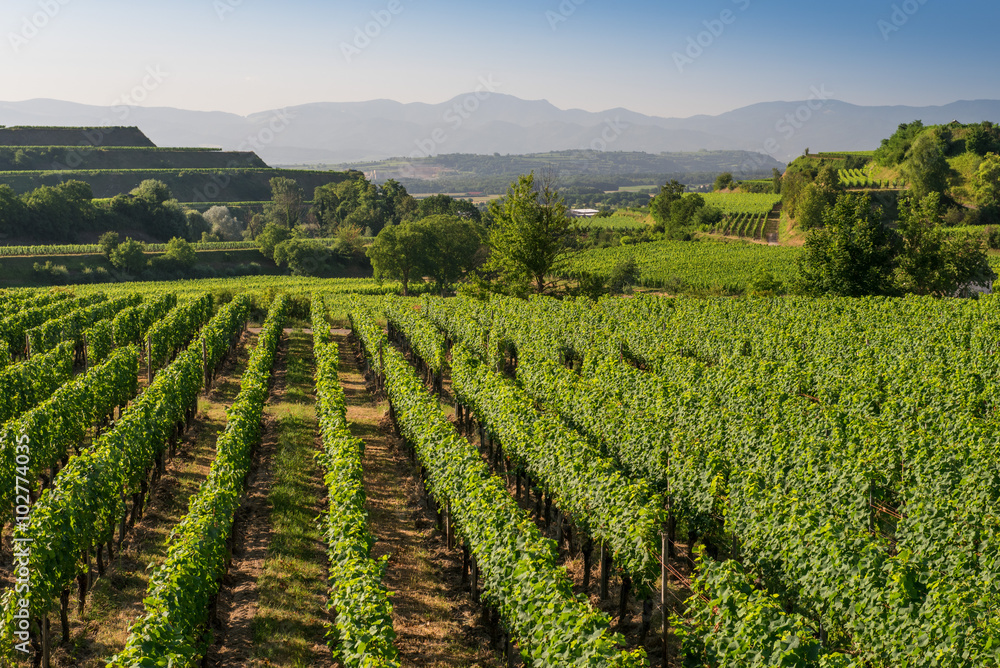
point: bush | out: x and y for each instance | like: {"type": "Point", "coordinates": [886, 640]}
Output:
{"type": "Point", "coordinates": [305, 257]}
{"type": "Point", "coordinates": [129, 256]}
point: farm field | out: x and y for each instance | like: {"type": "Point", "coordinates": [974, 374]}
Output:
{"type": "Point", "coordinates": [632, 482]}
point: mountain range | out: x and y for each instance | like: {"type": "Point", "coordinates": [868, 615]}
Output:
{"type": "Point", "coordinates": [487, 123]}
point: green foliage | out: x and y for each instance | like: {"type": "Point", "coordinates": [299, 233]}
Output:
{"type": "Point", "coordinates": [926, 168]}
{"type": "Point", "coordinates": [530, 235]}
{"type": "Point", "coordinates": [269, 239]}
{"type": "Point", "coordinates": [662, 205]}
{"type": "Point", "coordinates": [764, 284]}
{"type": "Point", "coordinates": [305, 257]}
{"type": "Point", "coordinates": [398, 252]}
{"type": "Point", "coordinates": [285, 207]}
{"type": "Point", "coordinates": [894, 149]}
{"type": "Point", "coordinates": [986, 183]}
{"type": "Point", "coordinates": [129, 256]}
{"type": "Point", "coordinates": [852, 255]}
{"type": "Point", "coordinates": [108, 242]}
{"type": "Point", "coordinates": [932, 261]}
{"type": "Point", "coordinates": [446, 205]}
{"type": "Point", "coordinates": [723, 181]}
{"type": "Point", "coordinates": [362, 634]}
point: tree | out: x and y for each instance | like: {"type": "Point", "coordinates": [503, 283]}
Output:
{"type": "Point", "coordinates": [349, 241]}
{"type": "Point", "coordinates": [305, 257]}
{"type": "Point", "coordinates": [662, 204]}
{"type": "Point", "coordinates": [853, 255]}
{"type": "Point", "coordinates": [776, 180]}
{"type": "Point", "coordinates": [926, 167]}
{"type": "Point", "coordinates": [932, 261]}
{"type": "Point", "coordinates": [12, 212]}
{"type": "Point", "coordinates": [272, 235]}
{"type": "Point", "coordinates": [452, 248]}
{"type": "Point", "coordinates": [986, 182]}
{"type": "Point", "coordinates": [723, 181]}
{"type": "Point", "coordinates": [398, 252]}
{"type": "Point", "coordinates": [893, 150]}
{"type": "Point", "coordinates": [224, 224]}
{"type": "Point", "coordinates": [531, 234]}
{"type": "Point", "coordinates": [197, 226]}
{"type": "Point", "coordinates": [152, 190]}
{"type": "Point", "coordinates": [129, 256]}
{"type": "Point", "coordinates": [108, 242]}
{"type": "Point", "coordinates": [285, 207]}
{"type": "Point", "coordinates": [178, 256]}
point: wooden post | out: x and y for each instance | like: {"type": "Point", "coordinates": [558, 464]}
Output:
{"type": "Point", "coordinates": [45, 642]}
{"type": "Point", "coordinates": [64, 614]}
{"type": "Point", "coordinates": [588, 550]}
{"type": "Point", "coordinates": [447, 525]}
{"type": "Point", "coordinates": [605, 570]}
{"type": "Point", "coordinates": [204, 364]}
{"type": "Point", "coordinates": [663, 590]}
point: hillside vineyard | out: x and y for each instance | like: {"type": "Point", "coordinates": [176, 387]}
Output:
{"type": "Point", "coordinates": [631, 482]}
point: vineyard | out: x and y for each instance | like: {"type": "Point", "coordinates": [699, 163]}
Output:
{"type": "Point", "coordinates": [745, 214]}
{"type": "Point", "coordinates": [859, 178]}
{"type": "Point", "coordinates": [684, 266]}
{"type": "Point", "coordinates": [630, 482]}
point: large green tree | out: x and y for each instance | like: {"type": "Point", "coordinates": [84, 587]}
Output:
{"type": "Point", "coordinates": [452, 248]}
{"type": "Point", "coordinates": [926, 168]}
{"type": "Point", "coordinates": [932, 261]}
{"type": "Point", "coordinates": [531, 234]}
{"type": "Point", "coordinates": [852, 255]}
{"type": "Point", "coordinates": [398, 252]}
{"type": "Point", "coordinates": [285, 207]}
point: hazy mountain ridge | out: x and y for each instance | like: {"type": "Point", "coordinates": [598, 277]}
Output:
{"type": "Point", "coordinates": [334, 132]}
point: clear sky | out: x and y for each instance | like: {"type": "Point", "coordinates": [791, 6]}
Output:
{"type": "Point", "coordinates": [664, 58]}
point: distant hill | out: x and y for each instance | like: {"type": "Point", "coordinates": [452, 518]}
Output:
{"type": "Point", "coordinates": [334, 133]}
{"type": "Point", "coordinates": [607, 170]}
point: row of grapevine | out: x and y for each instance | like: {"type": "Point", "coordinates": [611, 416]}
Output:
{"type": "Point", "coordinates": [127, 327]}
{"type": "Point", "coordinates": [14, 327]}
{"type": "Point", "coordinates": [71, 327]}
{"type": "Point", "coordinates": [521, 578]}
{"type": "Point", "coordinates": [858, 178]}
{"type": "Point", "coordinates": [30, 382]}
{"type": "Point", "coordinates": [737, 203]}
{"type": "Point", "coordinates": [588, 488]}
{"type": "Point", "coordinates": [78, 514]}
{"type": "Point", "coordinates": [60, 423]}
{"type": "Point", "coordinates": [172, 333]}
{"type": "Point", "coordinates": [171, 633]}
{"type": "Point", "coordinates": [362, 634]}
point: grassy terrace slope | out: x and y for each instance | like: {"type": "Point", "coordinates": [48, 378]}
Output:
{"type": "Point", "coordinates": [41, 158]}
{"type": "Point", "coordinates": [73, 136]}
{"type": "Point", "coordinates": [193, 185]}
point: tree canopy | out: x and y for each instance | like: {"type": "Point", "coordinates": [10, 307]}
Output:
{"type": "Point", "coordinates": [531, 234]}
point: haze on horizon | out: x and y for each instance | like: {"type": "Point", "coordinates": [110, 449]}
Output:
{"type": "Point", "coordinates": [662, 59]}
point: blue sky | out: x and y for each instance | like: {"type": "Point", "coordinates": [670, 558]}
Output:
{"type": "Point", "coordinates": [662, 58]}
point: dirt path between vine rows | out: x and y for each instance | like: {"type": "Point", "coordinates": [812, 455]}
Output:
{"type": "Point", "coordinates": [436, 622]}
